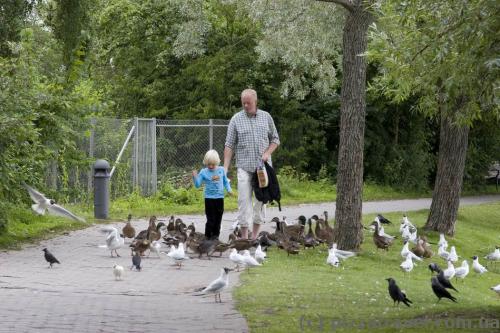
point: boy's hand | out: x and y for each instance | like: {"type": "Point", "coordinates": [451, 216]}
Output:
{"type": "Point", "coordinates": [195, 173]}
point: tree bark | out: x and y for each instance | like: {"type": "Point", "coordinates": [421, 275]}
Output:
{"type": "Point", "coordinates": [348, 227]}
{"type": "Point", "coordinates": [450, 173]}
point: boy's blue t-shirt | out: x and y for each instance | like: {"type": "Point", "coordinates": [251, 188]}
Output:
{"type": "Point", "coordinates": [215, 181]}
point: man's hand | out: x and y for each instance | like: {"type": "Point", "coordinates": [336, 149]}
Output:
{"type": "Point", "coordinates": [265, 156]}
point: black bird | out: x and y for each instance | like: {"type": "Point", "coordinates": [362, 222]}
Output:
{"type": "Point", "coordinates": [440, 291]}
{"type": "Point", "coordinates": [396, 294]}
{"type": "Point", "coordinates": [136, 261]}
{"type": "Point", "coordinates": [434, 268]}
{"type": "Point", "coordinates": [444, 281]}
{"type": "Point", "coordinates": [50, 258]}
{"type": "Point", "coordinates": [383, 220]}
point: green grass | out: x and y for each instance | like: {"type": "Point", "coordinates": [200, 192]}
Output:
{"type": "Point", "coordinates": [297, 293]}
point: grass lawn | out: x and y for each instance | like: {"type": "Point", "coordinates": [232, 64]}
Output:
{"type": "Point", "coordinates": [303, 294]}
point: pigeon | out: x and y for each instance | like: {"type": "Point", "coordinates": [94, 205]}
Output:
{"type": "Point", "coordinates": [433, 267]}
{"type": "Point", "coordinates": [50, 258]}
{"type": "Point", "coordinates": [237, 258]}
{"type": "Point", "coordinates": [114, 240]}
{"type": "Point", "coordinates": [462, 271]}
{"type": "Point", "coordinates": [118, 272]}
{"type": "Point", "coordinates": [496, 289]}
{"type": "Point", "coordinates": [249, 260]}
{"type": "Point", "coordinates": [440, 291]}
{"type": "Point", "coordinates": [382, 219]}
{"type": "Point", "coordinates": [445, 282]}
{"type": "Point", "coordinates": [42, 204]}
{"type": "Point", "coordinates": [260, 255]}
{"type": "Point", "coordinates": [217, 285]}
{"type": "Point", "coordinates": [136, 262]}
{"type": "Point", "coordinates": [477, 267]}
{"type": "Point", "coordinates": [449, 272]}
{"type": "Point", "coordinates": [178, 254]}
{"type": "Point", "coordinates": [396, 294]}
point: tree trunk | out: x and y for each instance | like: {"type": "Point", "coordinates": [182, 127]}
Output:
{"type": "Point", "coordinates": [348, 227]}
{"type": "Point", "coordinates": [453, 143]}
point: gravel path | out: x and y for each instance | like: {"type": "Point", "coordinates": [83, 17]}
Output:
{"type": "Point", "coordinates": [81, 295]}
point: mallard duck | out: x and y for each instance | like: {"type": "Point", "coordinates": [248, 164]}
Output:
{"type": "Point", "coordinates": [243, 244]}
{"type": "Point", "coordinates": [323, 233]}
{"type": "Point", "coordinates": [171, 225]}
{"type": "Point", "coordinates": [419, 249]}
{"type": "Point", "coordinates": [296, 231]}
{"type": "Point", "coordinates": [128, 230]}
{"type": "Point", "coordinates": [380, 241]}
{"type": "Point", "coordinates": [427, 248]}
{"type": "Point", "coordinates": [155, 234]}
{"type": "Point", "coordinates": [140, 246]}
{"type": "Point", "coordinates": [290, 247]}
{"type": "Point", "coordinates": [206, 246]}
{"type": "Point", "coordinates": [309, 239]}
{"type": "Point", "coordinates": [221, 248]}
{"type": "Point", "coordinates": [265, 239]}
{"type": "Point", "coordinates": [179, 225]}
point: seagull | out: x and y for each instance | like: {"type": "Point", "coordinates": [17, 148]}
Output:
{"type": "Point", "coordinates": [332, 259]}
{"type": "Point", "coordinates": [407, 265]}
{"type": "Point", "coordinates": [407, 222]}
{"type": "Point", "coordinates": [155, 246]}
{"type": "Point", "coordinates": [449, 272]}
{"type": "Point", "coordinates": [217, 285]}
{"type": "Point", "coordinates": [495, 255]}
{"type": "Point", "coordinates": [136, 261]}
{"type": "Point", "coordinates": [237, 258]}
{"type": "Point", "coordinates": [496, 289]}
{"type": "Point", "coordinates": [477, 267]}
{"type": "Point", "coordinates": [442, 252]}
{"type": "Point", "coordinates": [396, 294]}
{"type": "Point", "coordinates": [453, 257]}
{"type": "Point", "coordinates": [50, 258]}
{"type": "Point", "coordinates": [42, 204]}
{"type": "Point", "coordinates": [114, 240]}
{"type": "Point", "coordinates": [178, 254]}
{"type": "Point", "coordinates": [442, 241]}
{"type": "Point", "coordinates": [118, 272]}
{"type": "Point", "coordinates": [462, 271]}
{"type": "Point", "coordinates": [260, 255]}
{"type": "Point", "coordinates": [342, 254]}
{"type": "Point", "coordinates": [405, 252]}
{"type": "Point", "coordinates": [249, 260]}
{"type": "Point", "coordinates": [440, 291]}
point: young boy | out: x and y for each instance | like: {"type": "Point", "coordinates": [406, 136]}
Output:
{"type": "Point", "coordinates": [215, 180]}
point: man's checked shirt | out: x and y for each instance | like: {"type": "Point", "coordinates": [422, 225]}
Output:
{"type": "Point", "coordinates": [250, 136]}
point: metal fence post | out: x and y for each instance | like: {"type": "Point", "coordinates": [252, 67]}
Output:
{"type": "Point", "coordinates": [135, 162]}
{"type": "Point", "coordinates": [211, 134]}
{"type": "Point", "coordinates": [154, 176]}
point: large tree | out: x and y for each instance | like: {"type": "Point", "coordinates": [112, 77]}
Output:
{"type": "Point", "coordinates": [446, 54]}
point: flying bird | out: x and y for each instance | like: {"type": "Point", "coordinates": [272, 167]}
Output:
{"type": "Point", "coordinates": [217, 285]}
{"type": "Point", "coordinates": [118, 272]}
{"type": "Point", "coordinates": [114, 240]}
{"type": "Point", "coordinates": [42, 205]}
{"type": "Point", "coordinates": [440, 291]}
{"type": "Point", "coordinates": [396, 294]}
{"type": "Point", "coordinates": [50, 258]}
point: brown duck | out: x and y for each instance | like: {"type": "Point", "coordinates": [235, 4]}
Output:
{"type": "Point", "coordinates": [381, 242]}
{"type": "Point", "coordinates": [128, 230]}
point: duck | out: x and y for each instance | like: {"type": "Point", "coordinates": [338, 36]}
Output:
{"type": "Point", "coordinates": [418, 249]}
{"type": "Point", "coordinates": [206, 246]}
{"type": "Point", "coordinates": [477, 267]}
{"type": "Point", "coordinates": [179, 225]}
{"type": "Point", "coordinates": [128, 230]}
{"type": "Point", "coordinates": [140, 246]}
{"type": "Point", "coordinates": [427, 248]}
{"type": "Point", "coordinates": [290, 247]}
{"type": "Point", "coordinates": [462, 271]}
{"type": "Point", "coordinates": [243, 244]}
{"type": "Point", "coordinates": [309, 239]}
{"type": "Point", "coordinates": [221, 247]}
{"type": "Point", "coordinates": [171, 225]}
{"type": "Point", "coordinates": [323, 233]}
{"type": "Point", "coordinates": [380, 241]}
{"type": "Point", "coordinates": [295, 231]}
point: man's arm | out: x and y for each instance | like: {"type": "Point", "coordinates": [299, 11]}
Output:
{"type": "Point", "coordinates": [272, 147]}
{"type": "Point", "coordinates": [228, 155]}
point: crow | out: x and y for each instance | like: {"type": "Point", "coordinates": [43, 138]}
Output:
{"type": "Point", "coordinates": [396, 294]}
{"type": "Point", "coordinates": [445, 282]}
{"type": "Point", "coordinates": [440, 291]}
{"type": "Point", "coordinates": [434, 268]}
{"type": "Point", "coordinates": [383, 220]}
{"type": "Point", "coordinates": [50, 258]}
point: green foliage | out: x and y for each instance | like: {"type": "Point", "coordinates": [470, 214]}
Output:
{"type": "Point", "coordinates": [13, 15]}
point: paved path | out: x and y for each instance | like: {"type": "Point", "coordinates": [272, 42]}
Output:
{"type": "Point", "coordinates": [80, 295]}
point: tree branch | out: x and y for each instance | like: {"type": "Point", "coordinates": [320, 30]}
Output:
{"type": "Point", "coordinates": [347, 4]}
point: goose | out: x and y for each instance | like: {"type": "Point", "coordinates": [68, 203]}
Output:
{"type": "Point", "coordinates": [477, 267]}
{"type": "Point", "coordinates": [114, 240]}
{"type": "Point", "coordinates": [407, 265]}
{"type": "Point", "coordinates": [462, 271]}
{"type": "Point", "coordinates": [178, 254]}
{"type": "Point", "coordinates": [260, 255]}
{"type": "Point", "coordinates": [405, 252]}
{"type": "Point", "coordinates": [237, 258]}
{"type": "Point", "coordinates": [449, 272]}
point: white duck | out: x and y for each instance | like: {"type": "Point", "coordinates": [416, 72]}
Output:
{"type": "Point", "coordinates": [462, 271]}
{"type": "Point", "coordinates": [449, 272]}
{"type": "Point", "coordinates": [477, 267]}
{"type": "Point", "coordinates": [114, 240]}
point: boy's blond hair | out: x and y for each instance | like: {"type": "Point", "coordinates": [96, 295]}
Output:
{"type": "Point", "coordinates": [211, 157]}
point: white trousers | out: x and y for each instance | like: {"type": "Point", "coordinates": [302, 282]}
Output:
{"type": "Point", "coordinates": [248, 213]}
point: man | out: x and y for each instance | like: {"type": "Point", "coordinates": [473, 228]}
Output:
{"type": "Point", "coordinates": [252, 137]}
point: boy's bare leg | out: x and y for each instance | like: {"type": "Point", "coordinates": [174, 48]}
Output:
{"type": "Point", "coordinates": [255, 231]}
{"type": "Point", "coordinates": [244, 232]}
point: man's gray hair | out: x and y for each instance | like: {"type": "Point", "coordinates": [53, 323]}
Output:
{"type": "Point", "coordinates": [249, 92]}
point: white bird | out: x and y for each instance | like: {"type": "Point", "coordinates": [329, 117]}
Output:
{"type": "Point", "coordinates": [449, 272]}
{"type": "Point", "coordinates": [407, 265]}
{"type": "Point", "coordinates": [341, 254]}
{"type": "Point", "coordinates": [442, 241]}
{"type": "Point", "coordinates": [406, 234]}
{"type": "Point", "coordinates": [462, 271]}
{"type": "Point", "coordinates": [288, 223]}
{"type": "Point", "coordinates": [155, 247]}
{"type": "Point", "coordinates": [237, 258]}
{"type": "Point", "coordinates": [118, 272]}
{"type": "Point", "coordinates": [477, 267]}
{"type": "Point", "coordinates": [332, 259]}
{"type": "Point", "coordinates": [249, 260]}
{"type": "Point", "coordinates": [453, 257]}
{"type": "Point", "coordinates": [43, 204]}
{"type": "Point", "coordinates": [114, 240]}
{"type": "Point", "coordinates": [406, 251]}
{"type": "Point", "coordinates": [407, 222]}
{"type": "Point", "coordinates": [178, 254]}
{"type": "Point", "coordinates": [234, 225]}
{"type": "Point", "coordinates": [381, 230]}
{"type": "Point", "coordinates": [442, 252]}
{"type": "Point", "coordinates": [495, 255]}
{"type": "Point", "coordinates": [496, 289]}
{"type": "Point", "coordinates": [260, 255]}
{"type": "Point", "coordinates": [217, 285]}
